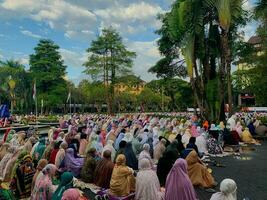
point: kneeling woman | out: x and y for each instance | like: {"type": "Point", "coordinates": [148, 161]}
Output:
{"type": "Point", "coordinates": [198, 172]}
{"type": "Point", "coordinates": [122, 180]}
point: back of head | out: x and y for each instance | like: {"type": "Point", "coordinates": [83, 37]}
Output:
{"type": "Point", "coordinates": [228, 187]}
{"type": "Point", "coordinates": [107, 154]}
{"type": "Point", "coordinates": [121, 159]}
{"type": "Point", "coordinates": [192, 140]}
{"type": "Point", "coordinates": [144, 163]}
{"type": "Point", "coordinates": [146, 147]}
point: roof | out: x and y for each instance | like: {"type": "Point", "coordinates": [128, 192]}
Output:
{"type": "Point", "coordinates": [255, 40]}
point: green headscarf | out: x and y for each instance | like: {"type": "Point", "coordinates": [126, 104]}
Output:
{"type": "Point", "coordinates": [66, 182]}
{"type": "Point", "coordinates": [40, 149]}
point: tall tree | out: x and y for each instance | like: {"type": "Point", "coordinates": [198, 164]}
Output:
{"type": "Point", "coordinates": [48, 69]}
{"type": "Point", "coordinates": [199, 29]}
{"type": "Point", "coordinates": [108, 59]}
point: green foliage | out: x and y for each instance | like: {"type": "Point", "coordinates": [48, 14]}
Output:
{"type": "Point", "coordinates": [21, 94]}
{"type": "Point", "coordinates": [178, 91]}
{"type": "Point", "coordinates": [48, 69]}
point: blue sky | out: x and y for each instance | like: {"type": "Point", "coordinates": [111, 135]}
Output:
{"type": "Point", "coordinates": [73, 24]}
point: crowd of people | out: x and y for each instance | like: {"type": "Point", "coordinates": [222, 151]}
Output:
{"type": "Point", "coordinates": [133, 156]}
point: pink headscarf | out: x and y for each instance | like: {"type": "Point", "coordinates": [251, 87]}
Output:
{"type": "Point", "coordinates": [71, 194]}
{"type": "Point", "coordinates": [178, 185]}
{"type": "Point", "coordinates": [194, 131]}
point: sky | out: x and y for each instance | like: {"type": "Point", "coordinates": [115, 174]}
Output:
{"type": "Point", "coordinates": [73, 24]}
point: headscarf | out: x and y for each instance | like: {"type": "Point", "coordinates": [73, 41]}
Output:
{"type": "Point", "coordinates": [60, 154]}
{"type": "Point", "coordinates": [3, 150]}
{"type": "Point", "coordinates": [66, 182]}
{"type": "Point", "coordinates": [147, 183]}
{"type": "Point", "coordinates": [178, 185]}
{"type": "Point", "coordinates": [71, 194]}
{"type": "Point", "coordinates": [44, 188]}
{"type": "Point", "coordinates": [122, 179]}
{"type": "Point", "coordinates": [73, 164]}
{"type": "Point", "coordinates": [41, 164]}
{"type": "Point", "coordinates": [89, 165]}
{"type": "Point", "coordinates": [39, 150]}
{"type": "Point", "coordinates": [159, 149]}
{"type": "Point", "coordinates": [103, 170]}
{"type": "Point", "coordinates": [109, 146]}
{"type": "Point", "coordinates": [131, 159]}
{"type": "Point", "coordinates": [198, 172]}
{"type": "Point", "coordinates": [145, 154]}
{"type": "Point", "coordinates": [227, 191]}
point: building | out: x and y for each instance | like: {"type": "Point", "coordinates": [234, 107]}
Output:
{"type": "Point", "coordinates": [246, 98]}
{"type": "Point", "coordinates": [131, 84]}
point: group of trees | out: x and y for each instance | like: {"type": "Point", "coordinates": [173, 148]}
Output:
{"type": "Point", "coordinates": [47, 71]}
{"type": "Point", "coordinates": [109, 65]}
{"type": "Point", "coordinates": [199, 40]}
{"type": "Point", "coordinates": [205, 33]}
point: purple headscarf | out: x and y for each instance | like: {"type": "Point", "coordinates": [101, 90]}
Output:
{"type": "Point", "coordinates": [178, 185]}
{"type": "Point", "coordinates": [73, 164]}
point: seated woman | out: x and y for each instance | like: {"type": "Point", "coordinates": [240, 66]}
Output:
{"type": "Point", "coordinates": [213, 144]}
{"type": "Point", "coordinates": [189, 147]}
{"type": "Point", "coordinates": [73, 194]}
{"type": "Point", "coordinates": [247, 137]}
{"type": "Point", "coordinates": [198, 172]}
{"type": "Point", "coordinates": [73, 164]}
{"type": "Point", "coordinates": [103, 170]}
{"type": "Point", "coordinates": [44, 188]}
{"type": "Point", "coordinates": [88, 169]}
{"type": "Point", "coordinates": [145, 154]}
{"type": "Point", "coordinates": [178, 185]}
{"type": "Point", "coordinates": [66, 182]}
{"type": "Point", "coordinates": [61, 154]}
{"type": "Point", "coordinates": [22, 177]}
{"type": "Point", "coordinates": [131, 159]}
{"type": "Point", "coordinates": [41, 164]}
{"type": "Point", "coordinates": [122, 180]}
{"type": "Point", "coordinates": [159, 149]}
{"type": "Point", "coordinates": [164, 166]}
{"type": "Point", "coordinates": [227, 190]}
{"type": "Point", "coordinates": [54, 152]}
{"type": "Point", "coordinates": [83, 144]}
{"type": "Point", "coordinates": [147, 182]}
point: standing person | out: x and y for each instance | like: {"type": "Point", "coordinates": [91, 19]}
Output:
{"type": "Point", "coordinates": [103, 170]}
{"type": "Point", "coordinates": [60, 154]}
{"type": "Point", "coordinates": [145, 154]}
{"type": "Point", "coordinates": [147, 182]}
{"type": "Point", "coordinates": [44, 188]}
{"type": "Point", "coordinates": [159, 149]}
{"type": "Point", "coordinates": [227, 191]}
{"type": "Point", "coordinates": [178, 185]}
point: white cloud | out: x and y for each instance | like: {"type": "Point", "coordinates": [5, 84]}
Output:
{"type": "Point", "coordinates": [147, 56]}
{"type": "Point", "coordinates": [72, 58]}
{"type": "Point", "coordinates": [136, 11]}
{"type": "Point", "coordinates": [24, 61]}
{"type": "Point", "coordinates": [30, 34]}
{"type": "Point", "coordinates": [57, 14]}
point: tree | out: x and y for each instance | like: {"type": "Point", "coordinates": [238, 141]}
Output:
{"type": "Point", "coordinates": [204, 32]}
{"type": "Point", "coordinates": [15, 85]}
{"type": "Point", "coordinates": [108, 59]}
{"type": "Point", "coordinates": [178, 90]}
{"type": "Point", "coordinates": [48, 69]}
